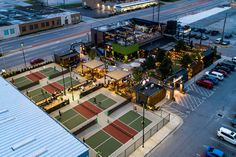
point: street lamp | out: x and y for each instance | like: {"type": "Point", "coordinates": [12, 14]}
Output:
{"type": "Point", "coordinates": [23, 52]}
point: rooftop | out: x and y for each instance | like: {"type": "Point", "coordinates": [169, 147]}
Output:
{"type": "Point", "coordinates": [148, 89]}
{"type": "Point", "coordinates": [26, 130]}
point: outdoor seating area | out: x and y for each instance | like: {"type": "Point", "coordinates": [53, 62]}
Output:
{"type": "Point", "coordinates": [93, 69]}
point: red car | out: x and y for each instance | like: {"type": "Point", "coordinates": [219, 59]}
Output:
{"type": "Point", "coordinates": [205, 84]}
{"type": "Point", "coordinates": [221, 71]}
{"type": "Point", "coordinates": [36, 61]}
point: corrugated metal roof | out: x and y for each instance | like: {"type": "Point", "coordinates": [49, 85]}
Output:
{"type": "Point", "coordinates": [26, 130]}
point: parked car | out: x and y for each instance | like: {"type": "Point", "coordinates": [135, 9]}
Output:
{"type": "Point", "coordinates": [234, 60]}
{"type": "Point", "coordinates": [207, 32]}
{"type": "Point", "coordinates": [223, 68]}
{"type": "Point", "coordinates": [192, 35]}
{"type": "Point", "coordinates": [213, 152]}
{"type": "Point", "coordinates": [221, 42]}
{"type": "Point", "coordinates": [227, 36]}
{"type": "Point", "coordinates": [228, 65]}
{"type": "Point", "coordinates": [205, 83]}
{"type": "Point", "coordinates": [198, 36]}
{"type": "Point", "coordinates": [221, 71]}
{"type": "Point", "coordinates": [214, 33]}
{"type": "Point", "coordinates": [36, 61]}
{"type": "Point", "coordinates": [227, 135]}
{"type": "Point", "coordinates": [195, 29]}
{"type": "Point", "coordinates": [217, 75]}
{"type": "Point", "coordinates": [233, 122]}
{"type": "Point", "coordinates": [209, 78]}
{"type": "Point", "coordinates": [204, 37]}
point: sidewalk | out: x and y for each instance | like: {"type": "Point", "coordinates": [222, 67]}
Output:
{"type": "Point", "coordinates": [161, 135]}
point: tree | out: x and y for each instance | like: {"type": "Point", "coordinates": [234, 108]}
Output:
{"type": "Point", "coordinates": [166, 67]}
{"type": "Point", "coordinates": [160, 55]}
{"type": "Point", "coordinates": [92, 54]}
{"type": "Point", "coordinates": [180, 45]}
{"type": "Point", "coordinates": [150, 62]}
{"type": "Point", "coordinates": [186, 60]}
{"type": "Point", "coordinates": [137, 74]}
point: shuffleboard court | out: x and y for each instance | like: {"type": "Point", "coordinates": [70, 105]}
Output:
{"type": "Point", "coordinates": [68, 82]}
{"type": "Point", "coordinates": [87, 109]}
{"type": "Point", "coordinates": [36, 76]}
{"type": "Point", "coordinates": [22, 81]}
{"type": "Point", "coordinates": [102, 101]}
{"type": "Point", "coordinates": [103, 143]}
{"type": "Point", "coordinates": [71, 118]}
{"type": "Point", "coordinates": [49, 71]}
{"type": "Point", "coordinates": [134, 120]}
{"type": "Point", "coordinates": [38, 95]}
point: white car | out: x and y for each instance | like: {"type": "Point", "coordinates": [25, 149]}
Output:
{"type": "Point", "coordinates": [215, 74]}
{"type": "Point", "coordinates": [234, 60]}
{"type": "Point", "coordinates": [227, 135]}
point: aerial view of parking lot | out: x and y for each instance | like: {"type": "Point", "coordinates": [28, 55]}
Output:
{"type": "Point", "coordinates": [118, 78]}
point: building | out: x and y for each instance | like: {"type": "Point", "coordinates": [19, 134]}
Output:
{"type": "Point", "coordinates": [118, 6]}
{"type": "Point", "coordinates": [32, 19]}
{"type": "Point", "coordinates": [149, 93]}
{"type": "Point", "coordinates": [26, 130]}
{"type": "Point", "coordinates": [67, 59]}
{"type": "Point", "coordinates": [125, 39]}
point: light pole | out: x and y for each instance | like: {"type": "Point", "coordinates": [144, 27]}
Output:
{"type": "Point", "coordinates": [70, 68]}
{"type": "Point", "coordinates": [23, 52]}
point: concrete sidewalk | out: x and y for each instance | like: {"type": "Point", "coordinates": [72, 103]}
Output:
{"type": "Point", "coordinates": [160, 136]}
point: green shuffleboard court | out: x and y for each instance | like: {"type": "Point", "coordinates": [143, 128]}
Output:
{"type": "Point", "coordinates": [71, 118]}
{"type": "Point", "coordinates": [68, 82]}
{"type": "Point", "coordinates": [103, 143]}
{"type": "Point", "coordinates": [38, 95]}
{"type": "Point", "coordinates": [102, 101]}
{"type": "Point", "coordinates": [49, 71]}
{"type": "Point", "coordinates": [134, 120]}
{"type": "Point", "coordinates": [22, 81]}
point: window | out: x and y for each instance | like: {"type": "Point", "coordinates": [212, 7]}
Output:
{"type": "Point", "coordinates": [12, 31]}
{"type": "Point", "coordinates": [36, 26]}
{"type": "Point", "coordinates": [47, 24]}
{"type": "Point", "coordinates": [43, 25]}
{"type": "Point", "coordinates": [23, 29]}
{"type": "Point", "coordinates": [58, 22]}
{"type": "Point", "coordinates": [53, 23]}
{"type": "Point", "coordinates": [31, 27]}
{"type": "Point", "coordinates": [6, 32]}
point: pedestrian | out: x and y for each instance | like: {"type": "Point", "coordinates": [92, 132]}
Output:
{"type": "Point", "coordinates": [95, 100]}
{"type": "Point", "coordinates": [60, 113]}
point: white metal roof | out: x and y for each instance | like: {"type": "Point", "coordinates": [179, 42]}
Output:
{"type": "Point", "coordinates": [26, 130]}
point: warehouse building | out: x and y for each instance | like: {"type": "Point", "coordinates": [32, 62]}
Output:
{"type": "Point", "coordinates": [28, 131]}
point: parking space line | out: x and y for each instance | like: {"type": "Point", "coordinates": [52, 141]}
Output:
{"type": "Point", "coordinates": [232, 148]}
{"type": "Point", "coordinates": [229, 127]}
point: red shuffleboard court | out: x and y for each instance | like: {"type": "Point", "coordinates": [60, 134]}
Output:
{"type": "Point", "coordinates": [57, 86]}
{"type": "Point", "coordinates": [87, 109]}
{"type": "Point", "coordinates": [36, 76]}
{"type": "Point", "coordinates": [53, 88]}
{"type": "Point", "coordinates": [120, 131]}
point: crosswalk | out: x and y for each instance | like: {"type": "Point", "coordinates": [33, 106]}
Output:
{"type": "Point", "coordinates": [200, 90]}
{"type": "Point", "coordinates": [188, 101]}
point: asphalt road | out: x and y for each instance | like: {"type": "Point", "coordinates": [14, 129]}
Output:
{"type": "Point", "coordinates": [47, 43]}
{"type": "Point", "coordinates": [199, 128]}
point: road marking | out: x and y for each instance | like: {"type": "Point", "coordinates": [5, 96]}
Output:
{"type": "Point", "coordinates": [230, 147]}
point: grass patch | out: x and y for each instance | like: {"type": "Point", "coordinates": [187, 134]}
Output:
{"type": "Point", "coordinates": [69, 6]}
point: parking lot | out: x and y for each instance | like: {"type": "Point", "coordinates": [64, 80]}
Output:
{"type": "Point", "coordinates": [213, 109]}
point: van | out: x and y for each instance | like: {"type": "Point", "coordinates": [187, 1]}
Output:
{"type": "Point", "coordinates": [215, 74]}
{"type": "Point", "coordinates": [227, 135]}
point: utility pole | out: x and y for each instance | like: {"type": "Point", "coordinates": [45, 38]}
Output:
{"type": "Point", "coordinates": [63, 80]}
{"type": "Point", "coordinates": [223, 33]}
{"type": "Point", "coordinates": [158, 14]}
{"type": "Point", "coordinates": [143, 122]}
{"type": "Point", "coordinates": [23, 52]}
{"type": "Point", "coordinates": [71, 84]}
